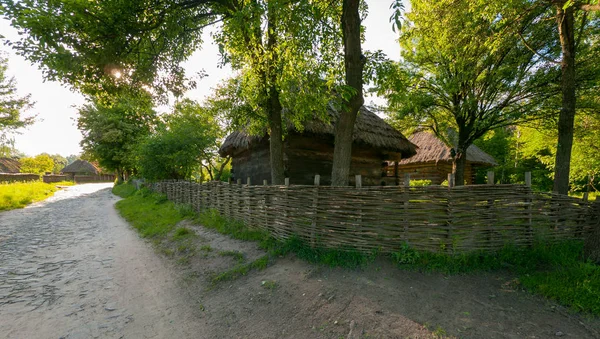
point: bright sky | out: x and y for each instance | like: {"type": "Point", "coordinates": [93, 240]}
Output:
{"type": "Point", "coordinates": [55, 130]}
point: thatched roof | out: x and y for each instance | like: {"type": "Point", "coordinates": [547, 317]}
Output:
{"type": "Point", "coordinates": [9, 165]}
{"type": "Point", "coordinates": [369, 130]}
{"type": "Point", "coordinates": [432, 149]}
{"type": "Point", "coordinates": [81, 167]}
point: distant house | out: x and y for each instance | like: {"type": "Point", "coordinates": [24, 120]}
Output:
{"type": "Point", "coordinates": [9, 165]}
{"type": "Point", "coordinates": [310, 152]}
{"type": "Point", "coordinates": [433, 160]}
{"type": "Point", "coordinates": [80, 167]}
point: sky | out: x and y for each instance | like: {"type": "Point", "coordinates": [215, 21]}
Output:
{"type": "Point", "coordinates": [55, 129]}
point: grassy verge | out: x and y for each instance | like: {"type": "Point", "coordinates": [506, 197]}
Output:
{"type": "Point", "coordinates": [19, 195]}
{"type": "Point", "coordinates": [556, 271]}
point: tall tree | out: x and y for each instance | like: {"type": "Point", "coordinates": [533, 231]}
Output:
{"type": "Point", "coordinates": [12, 105]}
{"type": "Point", "coordinates": [177, 149]}
{"type": "Point", "coordinates": [99, 47]}
{"type": "Point", "coordinates": [282, 49]}
{"type": "Point", "coordinates": [111, 131]}
{"type": "Point", "coordinates": [565, 18]}
{"type": "Point", "coordinates": [352, 96]}
{"type": "Point", "coordinates": [465, 69]}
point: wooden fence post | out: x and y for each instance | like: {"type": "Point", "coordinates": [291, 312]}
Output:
{"type": "Point", "coordinates": [265, 202]}
{"type": "Point", "coordinates": [248, 203]}
{"type": "Point", "coordinates": [406, 197]}
{"type": "Point", "coordinates": [315, 206]}
{"type": "Point", "coordinates": [490, 178]}
{"type": "Point", "coordinates": [529, 202]}
{"type": "Point", "coordinates": [450, 221]}
{"type": "Point", "coordinates": [359, 219]}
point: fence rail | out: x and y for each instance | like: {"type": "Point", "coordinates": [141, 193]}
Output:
{"type": "Point", "coordinates": [18, 177]}
{"type": "Point", "coordinates": [432, 218]}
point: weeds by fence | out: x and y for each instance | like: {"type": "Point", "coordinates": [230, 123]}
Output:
{"type": "Point", "coordinates": [432, 218]}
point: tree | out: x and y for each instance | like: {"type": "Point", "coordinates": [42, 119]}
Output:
{"type": "Point", "coordinates": [565, 18]}
{"type": "Point", "coordinates": [283, 50]}
{"type": "Point", "coordinates": [187, 138]}
{"type": "Point", "coordinates": [112, 131]}
{"type": "Point", "coordinates": [39, 164]}
{"type": "Point", "coordinates": [100, 46]}
{"type": "Point", "coordinates": [353, 96]}
{"type": "Point", "coordinates": [12, 105]}
{"type": "Point", "coordinates": [465, 70]}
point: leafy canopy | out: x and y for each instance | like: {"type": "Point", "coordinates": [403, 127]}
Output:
{"type": "Point", "coordinates": [185, 139]}
{"type": "Point", "coordinates": [112, 131]}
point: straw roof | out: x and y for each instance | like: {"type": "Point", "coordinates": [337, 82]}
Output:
{"type": "Point", "coordinates": [9, 165]}
{"type": "Point", "coordinates": [369, 130]}
{"type": "Point", "coordinates": [81, 166]}
{"type": "Point", "coordinates": [432, 149]}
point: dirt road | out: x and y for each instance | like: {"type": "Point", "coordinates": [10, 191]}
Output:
{"type": "Point", "coordinates": [70, 267]}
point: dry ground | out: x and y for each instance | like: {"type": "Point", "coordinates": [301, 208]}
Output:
{"type": "Point", "coordinates": [70, 267]}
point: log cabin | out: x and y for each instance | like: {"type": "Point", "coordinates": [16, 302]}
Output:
{"type": "Point", "coordinates": [310, 152]}
{"type": "Point", "coordinates": [433, 160]}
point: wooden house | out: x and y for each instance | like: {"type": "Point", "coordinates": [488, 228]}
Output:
{"type": "Point", "coordinates": [310, 151]}
{"type": "Point", "coordinates": [80, 167]}
{"type": "Point", "coordinates": [10, 165]}
{"type": "Point", "coordinates": [433, 160]}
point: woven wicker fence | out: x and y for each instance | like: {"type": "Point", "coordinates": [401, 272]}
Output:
{"type": "Point", "coordinates": [18, 177]}
{"type": "Point", "coordinates": [434, 218]}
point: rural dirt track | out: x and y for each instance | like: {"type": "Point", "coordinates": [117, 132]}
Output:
{"type": "Point", "coordinates": [70, 267]}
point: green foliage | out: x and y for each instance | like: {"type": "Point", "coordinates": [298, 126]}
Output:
{"type": "Point", "coordinates": [420, 183]}
{"type": "Point", "coordinates": [518, 150]}
{"type": "Point", "coordinates": [102, 47]}
{"type": "Point", "coordinates": [19, 195]}
{"type": "Point", "coordinates": [111, 131]}
{"type": "Point", "coordinates": [465, 69]}
{"type": "Point", "coordinates": [39, 164]}
{"type": "Point", "coordinates": [177, 149]}
{"type": "Point", "coordinates": [12, 105]}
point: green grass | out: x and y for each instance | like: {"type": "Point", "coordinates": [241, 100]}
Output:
{"type": "Point", "coordinates": [19, 195]}
{"type": "Point", "coordinates": [124, 190]}
{"type": "Point", "coordinates": [151, 214]}
{"type": "Point", "coordinates": [240, 270]}
{"type": "Point", "coordinates": [238, 256]}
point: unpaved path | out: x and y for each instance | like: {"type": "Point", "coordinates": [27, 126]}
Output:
{"type": "Point", "coordinates": [70, 267]}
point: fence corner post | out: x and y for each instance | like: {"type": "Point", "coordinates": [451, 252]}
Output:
{"type": "Point", "coordinates": [265, 182]}
{"type": "Point", "coordinates": [287, 181]}
{"type": "Point", "coordinates": [406, 179]}
{"type": "Point", "coordinates": [490, 178]}
{"type": "Point", "coordinates": [450, 180]}
{"type": "Point", "coordinates": [315, 205]}
{"type": "Point", "coordinates": [528, 179]}
{"type": "Point", "coordinates": [358, 179]}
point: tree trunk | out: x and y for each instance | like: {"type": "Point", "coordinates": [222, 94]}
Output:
{"type": "Point", "coordinates": [459, 164]}
{"type": "Point", "coordinates": [566, 119]}
{"type": "Point", "coordinates": [344, 127]}
{"type": "Point", "coordinates": [273, 104]}
{"type": "Point", "coordinates": [276, 139]}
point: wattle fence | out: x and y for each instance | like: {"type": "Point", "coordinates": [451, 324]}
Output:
{"type": "Point", "coordinates": [432, 218]}
{"type": "Point", "coordinates": [18, 177]}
